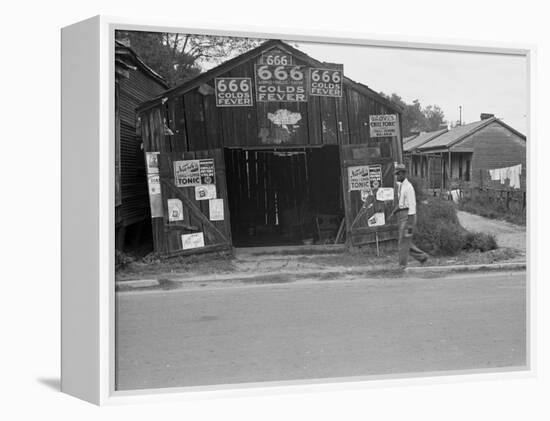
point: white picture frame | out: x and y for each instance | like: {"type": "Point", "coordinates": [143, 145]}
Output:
{"type": "Point", "coordinates": [88, 303]}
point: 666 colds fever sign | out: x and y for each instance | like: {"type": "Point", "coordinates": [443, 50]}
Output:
{"type": "Point", "coordinates": [233, 91]}
{"type": "Point", "coordinates": [325, 82]}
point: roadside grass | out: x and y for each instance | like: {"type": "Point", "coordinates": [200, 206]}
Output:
{"type": "Point", "coordinates": [488, 208]}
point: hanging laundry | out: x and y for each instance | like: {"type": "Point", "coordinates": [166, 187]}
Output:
{"type": "Point", "coordinates": [512, 174]}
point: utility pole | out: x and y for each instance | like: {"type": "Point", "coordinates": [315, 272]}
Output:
{"type": "Point", "coordinates": [460, 115]}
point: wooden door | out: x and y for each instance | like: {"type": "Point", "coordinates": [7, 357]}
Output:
{"type": "Point", "coordinates": [172, 234]}
{"type": "Point", "coordinates": [357, 210]}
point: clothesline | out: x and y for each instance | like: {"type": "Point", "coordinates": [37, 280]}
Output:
{"type": "Point", "coordinates": [512, 174]}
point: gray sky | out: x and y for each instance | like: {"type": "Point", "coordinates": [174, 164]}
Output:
{"type": "Point", "coordinates": [481, 83]}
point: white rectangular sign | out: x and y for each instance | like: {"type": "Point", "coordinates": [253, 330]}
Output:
{"type": "Point", "coordinates": [216, 210]}
{"type": "Point", "coordinates": [384, 193]}
{"type": "Point", "coordinates": [175, 210]}
{"type": "Point", "coordinates": [377, 220]}
{"type": "Point", "coordinates": [384, 125]}
{"type": "Point", "coordinates": [205, 192]}
{"type": "Point", "coordinates": [192, 241]}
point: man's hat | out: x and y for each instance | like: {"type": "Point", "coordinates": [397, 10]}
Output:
{"type": "Point", "coordinates": [399, 167]}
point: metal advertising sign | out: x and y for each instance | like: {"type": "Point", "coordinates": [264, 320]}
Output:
{"type": "Point", "coordinates": [384, 125]}
{"type": "Point", "coordinates": [175, 210]}
{"type": "Point", "coordinates": [207, 171]}
{"type": "Point", "coordinates": [375, 176]}
{"type": "Point", "coordinates": [205, 192]}
{"type": "Point", "coordinates": [233, 91]}
{"type": "Point", "coordinates": [194, 172]}
{"type": "Point", "coordinates": [276, 57]}
{"type": "Point", "coordinates": [216, 209]}
{"type": "Point", "coordinates": [358, 178]}
{"type": "Point", "coordinates": [187, 173]}
{"type": "Point", "coordinates": [280, 83]}
{"type": "Point", "coordinates": [152, 160]}
{"type": "Point", "coordinates": [384, 193]}
{"type": "Point", "coordinates": [376, 220]}
{"type": "Point", "coordinates": [192, 241]}
{"type": "Point", "coordinates": [326, 82]}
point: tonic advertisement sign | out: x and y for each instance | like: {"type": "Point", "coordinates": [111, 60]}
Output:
{"type": "Point", "coordinates": [384, 125]}
{"type": "Point", "coordinates": [280, 83]}
{"type": "Point", "coordinates": [194, 172]}
{"type": "Point", "coordinates": [358, 178]}
{"type": "Point", "coordinates": [326, 82]}
{"type": "Point", "coordinates": [233, 91]}
{"type": "Point", "coordinates": [187, 173]}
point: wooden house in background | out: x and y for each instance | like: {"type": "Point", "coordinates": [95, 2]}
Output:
{"type": "Point", "coordinates": [279, 135]}
{"type": "Point", "coordinates": [466, 153]}
{"type": "Point", "coordinates": [135, 82]}
{"type": "Point", "coordinates": [423, 165]}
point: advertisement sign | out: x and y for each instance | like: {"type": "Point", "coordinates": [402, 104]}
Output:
{"type": "Point", "coordinates": [384, 193]}
{"type": "Point", "coordinates": [326, 82]}
{"type": "Point", "coordinates": [155, 198]}
{"type": "Point", "coordinates": [154, 184]}
{"type": "Point", "coordinates": [152, 161]}
{"type": "Point", "coordinates": [192, 241]}
{"type": "Point", "coordinates": [375, 176]}
{"type": "Point", "coordinates": [280, 83]}
{"type": "Point", "coordinates": [194, 172]}
{"type": "Point", "coordinates": [233, 91]}
{"type": "Point", "coordinates": [377, 220]}
{"type": "Point", "coordinates": [207, 171]}
{"type": "Point", "coordinates": [358, 178]}
{"type": "Point", "coordinates": [175, 210]}
{"type": "Point", "coordinates": [205, 192]}
{"type": "Point", "coordinates": [384, 125]}
{"type": "Point", "coordinates": [216, 209]}
{"type": "Point", "coordinates": [276, 57]}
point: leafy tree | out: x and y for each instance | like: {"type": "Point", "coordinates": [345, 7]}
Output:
{"type": "Point", "coordinates": [180, 57]}
{"type": "Point", "coordinates": [417, 118]}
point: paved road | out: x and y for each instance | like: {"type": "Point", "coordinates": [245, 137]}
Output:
{"type": "Point", "coordinates": [319, 330]}
{"type": "Point", "coordinates": [506, 234]}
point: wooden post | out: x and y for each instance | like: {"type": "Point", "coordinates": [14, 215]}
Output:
{"type": "Point", "coordinates": [377, 247]}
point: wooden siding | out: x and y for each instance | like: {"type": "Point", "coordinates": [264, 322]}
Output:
{"type": "Point", "coordinates": [198, 124]}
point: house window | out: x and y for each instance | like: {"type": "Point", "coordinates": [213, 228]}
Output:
{"type": "Point", "coordinates": [460, 167]}
{"type": "Point", "coordinates": [467, 174]}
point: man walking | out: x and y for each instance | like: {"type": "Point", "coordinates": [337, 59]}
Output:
{"type": "Point", "coordinates": [406, 218]}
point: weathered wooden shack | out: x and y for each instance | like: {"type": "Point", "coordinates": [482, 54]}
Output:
{"type": "Point", "coordinates": [465, 154]}
{"type": "Point", "coordinates": [135, 82]}
{"type": "Point", "coordinates": [272, 147]}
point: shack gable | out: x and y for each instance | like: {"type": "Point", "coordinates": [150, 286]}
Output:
{"type": "Point", "coordinates": [190, 113]}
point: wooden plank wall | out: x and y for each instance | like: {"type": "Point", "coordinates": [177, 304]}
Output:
{"type": "Point", "coordinates": [167, 234]}
{"type": "Point", "coordinates": [199, 125]}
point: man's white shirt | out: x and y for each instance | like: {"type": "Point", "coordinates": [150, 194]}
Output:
{"type": "Point", "coordinates": [407, 198]}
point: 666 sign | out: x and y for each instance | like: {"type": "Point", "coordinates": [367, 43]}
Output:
{"type": "Point", "coordinates": [280, 83]}
{"type": "Point", "coordinates": [325, 82]}
{"type": "Point", "coordinates": [233, 91]}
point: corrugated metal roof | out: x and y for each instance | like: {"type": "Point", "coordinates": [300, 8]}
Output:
{"type": "Point", "coordinates": [456, 134]}
{"type": "Point", "coordinates": [409, 138]}
{"type": "Point", "coordinates": [421, 139]}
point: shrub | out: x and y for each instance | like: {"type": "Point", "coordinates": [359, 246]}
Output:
{"type": "Point", "coordinates": [480, 241]}
{"type": "Point", "coordinates": [122, 259]}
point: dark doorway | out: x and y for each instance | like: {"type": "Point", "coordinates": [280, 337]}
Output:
{"type": "Point", "coordinates": [277, 196]}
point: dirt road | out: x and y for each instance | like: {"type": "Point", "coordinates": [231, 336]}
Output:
{"type": "Point", "coordinates": [506, 234]}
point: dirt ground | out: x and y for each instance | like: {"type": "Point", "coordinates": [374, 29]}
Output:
{"type": "Point", "coordinates": [507, 235]}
